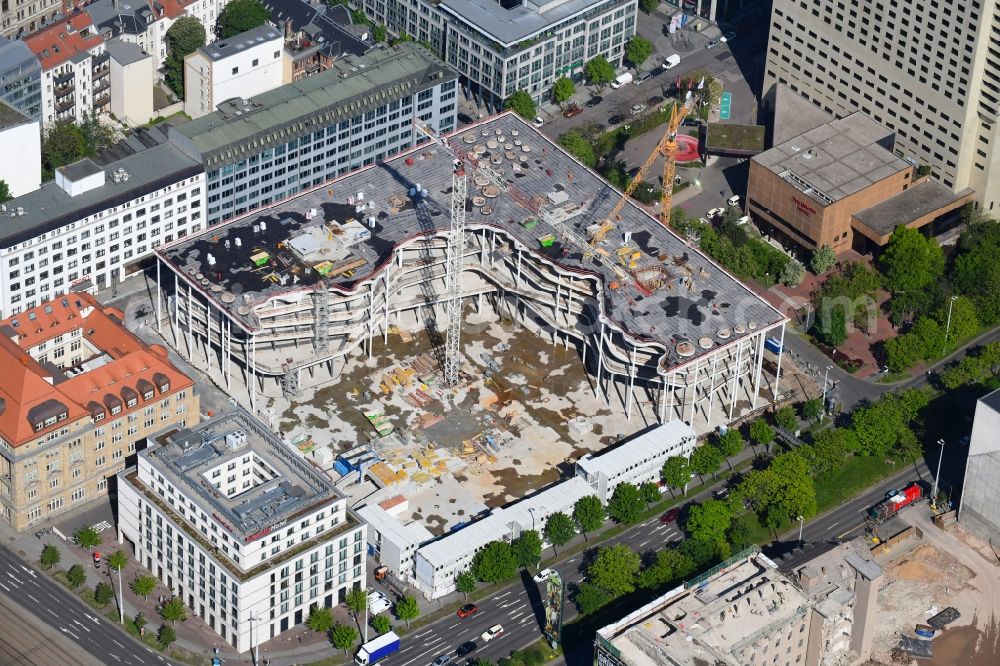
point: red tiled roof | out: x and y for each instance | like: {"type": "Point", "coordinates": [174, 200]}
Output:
{"type": "Point", "coordinates": [30, 390]}
{"type": "Point", "coordinates": [61, 41]}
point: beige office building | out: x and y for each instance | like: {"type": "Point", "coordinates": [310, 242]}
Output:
{"type": "Point", "coordinates": [930, 72]}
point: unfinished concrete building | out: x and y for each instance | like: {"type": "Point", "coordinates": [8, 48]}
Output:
{"type": "Point", "coordinates": [287, 293]}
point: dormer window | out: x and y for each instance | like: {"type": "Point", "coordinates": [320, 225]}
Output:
{"type": "Point", "coordinates": [99, 416]}
{"type": "Point", "coordinates": [131, 403]}
{"type": "Point", "coordinates": [116, 410]}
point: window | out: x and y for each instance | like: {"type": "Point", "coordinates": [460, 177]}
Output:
{"type": "Point", "coordinates": [236, 70]}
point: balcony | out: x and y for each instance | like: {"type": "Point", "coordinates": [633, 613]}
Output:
{"type": "Point", "coordinates": [63, 78]}
{"type": "Point", "coordinates": [102, 70]}
{"type": "Point", "coordinates": [65, 89]}
{"type": "Point", "coordinates": [101, 100]}
{"type": "Point", "coordinates": [65, 105]}
{"type": "Point", "coordinates": [102, 85]}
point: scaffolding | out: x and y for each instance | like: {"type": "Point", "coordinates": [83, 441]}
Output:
{"type": "Point", "coordinates": [290, 380]}
{"type": "Point", "coordinates": [321, 315]}
{"type": "Point", "coordinates": [453, 278]}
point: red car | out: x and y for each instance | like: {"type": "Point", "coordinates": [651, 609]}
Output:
{"type": "Point", "coordinates": [571, 111]}
{"type": "Point", "coordinates": [467, 610]}
{"type": "Point", "coordinates": [670, 516]}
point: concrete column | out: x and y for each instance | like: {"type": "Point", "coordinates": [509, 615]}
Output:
{"type": "Point", "coordinates": [757, 372]}
{"type": "Point", "coordinates": [190, 323]}
{"type": "Point", "coordinates": [631, 383]}
{"type": "Point", "coordinates": [777, 370]}
{"type": "Point", "coordinates": [736, 379]}
{"type": "Point", "coordinates": [711, 387]}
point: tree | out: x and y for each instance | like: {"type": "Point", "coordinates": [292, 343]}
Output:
{"type": "Point", "coordinates": [64, 143]}
{"type": "Point", "coordinates": [357, 603]}
{"type": "Point", "coordinates": [637, 50]}
{"type": "Point", "coordinates": [76, 576]}
{"type": "Point", "coordinates": [761, 433]}
{"type": "Point", "coordinates": [143, 585]}
{"type": "Point", "coordinates": [599, 72]}
{"type": "Point", "coordinates": [87, 537]}
{"type": "Point", "coordinates": [5, 194]}
{"type": "Point", "coordinates": [792, 274]}
{"type": "Point", "coordinates": [495, 563]}
{"type": "Point", "coordinates": [649, 6]}
{"type": "Point", "coordinates": [700, 551]}
{"type": "Point", "coordinates": [786, 419]}
{"type": "Point", "coordinates": [379, 33]}
{"type": "Point", "coordinates": [831, 325]}
{"type": "Point", "coordinates": [522, 104]}
{"type": "Point", "coordinates": [650, 492]}
{"type": "Point", "coordinates": [813, 409]}
{"type": "Point", "coordinates": [588, 514]}
{"type": "Point", "coordinates": [774, 517]}
{"type": "Point", "coordinates": [579, 147]}
{"type": "Point", "coordinates": [911, 261]}
{"type": "Point", "coordinates": [739, 534]}
{"type": "Point", "coordinates": [823, 260]}
{"type": "Point", "coordinates": [239, 16]}
{"type": "Point", "coordinates": [343, 637]}
{"type": "Point", "coordinates": [173, 610]}
{"type": "Point", "coordinates": [381, 624]}
{"type": "Point", "coordinates": [730, 443]}
{"type": "Point", "coordinates": [320, 620]}
{"type": "Point", "coordinates": [976, 272]}
{"type": "Point", "coordinates": [50, 556]}
{"type": "Point", "coordinates": [625, 503]}
{"type": "Point", "coordinates": [796, 493]}
{"type": "Point", "coordinates": [676, 472]}
{"type": "Point", "coordinates": [590, 598]}
{"type": "Point", "coordinates": [559, 529]}
{"type": "Point", "coordinates": [465, 583]}
{"type": "Point", "coordinates": [562, 90]}
{"type": "Point", "coordinates": [828, 449]}
{"type": "Point", "coordinates": [615, 569]}
{"type": "Point", "coordinates": [706, 459]}
{"type": "Point", "coordinates": [117, 560]}
{"type": "Point", "coordinates": [407, 609]}
{"type": "Point", "coordinates": [140, 621]}
{"type": "Point", "coordinates": [103, 594]}
{"type": "Point", "coordinates": [670, 565]}
{"type": "Point", "coordinates": [184, 37]}
{"type": "Point", "coordinates": [527, 548]}
{"type": "Point", "coordinates": [709, 521]}
{"type": "Point", "coordinates": [166, 635]}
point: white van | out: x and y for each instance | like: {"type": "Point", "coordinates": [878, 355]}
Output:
{"type": "Point", "coordinates": [622, 80]}
{"type": "Point", "coordinates": [734, 200]}
{"type": "Point", "coordinates": [671, 61]}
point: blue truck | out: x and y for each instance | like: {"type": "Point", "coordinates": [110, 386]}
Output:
{"type": "Point", "coordinates": [378, 649]}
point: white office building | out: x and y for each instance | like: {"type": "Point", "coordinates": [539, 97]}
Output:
{"type": "Point", "coordinates": [21, 136]}
{"type": "Point", "coordinates": [637, 461]}
{"type": "Point", "coordinates": [238, 525]}
{"type": "Point", "coordinates": [391, 541]}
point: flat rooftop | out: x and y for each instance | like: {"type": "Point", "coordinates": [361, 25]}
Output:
{"type": "Point", "coordinates": [11, 117]}
{"type": "Point", "coordinates": [707, 622]}
{"type": "Point", "coordinates": [794, 115]}
{"type": "Point", "coordinates": [225, 48]}
{"type": "Point", "coordinates": [836, 159]}
{"type": "Point", "coordinates": [910, 205]}
{"type": "Point", "coordinates": [284, 484]}
{"type": "Point", "coordinates": [510, 26]}
{"type": "Point", "coordinates": [709, 309]}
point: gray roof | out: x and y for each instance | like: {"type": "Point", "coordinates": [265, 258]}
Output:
{"type": "Point", "coordinates": [10, 117]}
{"type": "Point", "coordinates": [509, 26]}
{"type": "Point", "coordinates": [225, 48]}
{"type": "Point", "coordinates": [50, 207]}
{"type": "Point", "coordinates": [353, 85]}
{"type": "Point", "coordinates": [836, 159]}
{"type": "Point", "coordinates": [79, 170]}
{"type": "Point", "coordinates": [909, 205]}
{"type": "Point", "coordinates": [328, 27]}
{"type": "Point", "coordinates": [125, 53]}
{"type": "Point", "coordinates": [120, 16]}
{"type": "Point", "coordinates": [992, 400]}
{"type": "Point", "coordinates": [794, 115]}
{"type": "Point", "coordinates": [680, 311]}
{"type": "Point", "coordinates": [14, 53]}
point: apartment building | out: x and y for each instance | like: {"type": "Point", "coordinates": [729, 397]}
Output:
{"type": "Point", "coordinates": [21, 136]}
{"type": "Point", "coordinates": [302, 134]}
{"type": "Point", "coordinates": [76, 74]}
{"type": "Point", "coordinates": [131, 76]}
{"type": "Point", "coordinates": [20, 78]}
{"type": "Point", "coordinates": [143, 23]}
{"type": "Point", "coordinates": [241, 66]}
{"type": "Point", "coordinates": [500, 48]}
{"type": "Point", "coordinates": [242, 528]}
{"type": "Point", "coordinates": [315, 36]}
{"type": "Point", "coordinates": [96, 223]}
{"type": "Point", "coordinates": [19, 17]}
{"type": "Point", "coordinates": [937, 89]}
{"type": "Point", "coordinates": [79, 397]}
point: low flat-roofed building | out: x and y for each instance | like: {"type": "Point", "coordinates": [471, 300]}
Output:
{"type": "Point", "coordinates": [392, 542]}
{"type": "Point", "coordinates": [239, 526]}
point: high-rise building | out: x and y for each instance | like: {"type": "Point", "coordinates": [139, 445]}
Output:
{"type": "Point", "coordinates": [930, 72]}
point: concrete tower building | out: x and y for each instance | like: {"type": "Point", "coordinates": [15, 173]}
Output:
{"type": "Point", "coordinates": [928, 71]}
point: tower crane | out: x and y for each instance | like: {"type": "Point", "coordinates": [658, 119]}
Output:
{"type": "Point", "coordinates": [666, 148]}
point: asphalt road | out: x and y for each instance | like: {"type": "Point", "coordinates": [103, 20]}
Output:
{"type": "Point", "coordinates": [55, 606]}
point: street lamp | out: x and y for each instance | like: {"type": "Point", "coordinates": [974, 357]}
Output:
{"type": "Point", "coordinates": [937, 475]}
{"type": "Point", "coordinates": [947, 328]}
{"type": "Point", "coordinates": [825, 376]}
{"type": "Point", "coordinates": [801, 521]}
{"type": "Point", "coordinates": [253, 645]}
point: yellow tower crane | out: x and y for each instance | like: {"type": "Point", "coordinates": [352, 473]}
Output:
{"type": "Point", "coordinates": [667, 149]}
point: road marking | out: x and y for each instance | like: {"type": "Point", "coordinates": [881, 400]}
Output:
{"type": "Point", "coordinates": [29, 571]}
{"type": "Point", "coordinates": [644, 543]}
{"type": "Point", "coordinates": [514, 617]}
{"type": "Point", "coordinates": [454, 625]}
{"type": "Point", "coordinates": [54, 597]}
{"type": "Point", "coordinates": [571, 561]}
{"type": "Point", "coordinates": [833, 525]}
{"type": "Point", "coordinates": [34, 599]}
{"type": "Point", "coordinates": [4, 587]}
{"type": "Point", "coordinates": [400, 652]}
{"type": "Point", "coordinates": [501, 596]}
{"type": "Point", "coordinates": [115, 656]}
{"type": "Point", "coordinates": [51, 613]}
{"type": "Point", "coordinates": [119, 644]}
{"type": "Point", "coordinates": [67, 631]}
{"type": "Point", "coordinates": [85, 628]}
{"type": "Point", "coordinates": [429, 631]}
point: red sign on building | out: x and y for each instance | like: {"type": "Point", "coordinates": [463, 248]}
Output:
{"type": "Point", "coordinates": [803, 207]}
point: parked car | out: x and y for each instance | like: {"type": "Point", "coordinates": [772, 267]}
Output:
{"type": "Point", "coordinates": [538, 122]}
{"type": "Point", "coordinates": [721, 493]}
{"type": "Point", "coordinates": [654, 100]}
{"type": "Point", "coordinates": [672, 61]}
{"type": "Point", "coordinates": [691, 122]}
{"type": "Point", "coordinates": [465, 648]}
{"type": "Point", "coordinates": [715, 211]}
{"type": "Point", "coordinates": [441, 660]}
{"type": "Point", "coordinates": [734, 200]}
{"type": "Point", "coordinates": [594, 101]}
{"type": "Point", "coordinates": [543, 575]}
{"type": "Point", "coordinates": [712, 44]}
{"type": "Point", "coordinates": [467, 610]}
{"type": "Point", "coordinates": [616, 120]}
{"type": "Point", "coordinates": [378, 602]}
{"type": "Point", "coordinates": [728, 37]}
{"type": "Point", "coordinates": [572, 110]}
{"type": "Point", "coordinates": [670, 516]}
{"type": "Point", "coordinates": [492, 632]}
{"type": "Point", "coordinates": [637, 109]}
{"type": "Point", "coordinates": [645, 77]}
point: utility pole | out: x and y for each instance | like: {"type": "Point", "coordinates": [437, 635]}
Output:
{"type": "Point", "coordinates": [801, 521]}
{"type": "Point", "coordinates": [947, 328]}
{"type": "Point", "coordinates": [937, 475]}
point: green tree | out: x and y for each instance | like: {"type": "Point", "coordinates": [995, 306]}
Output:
{"type": "Point", "coordinates": [495, 563]}
{"type": "Point", "coordinates": [76, 576]}
{"type": "Point", "coordinates": [706, 459]}
{"type": "Point", "coordinates": [320, 619]}
{"type": "Point", "coordinates": [590, 598]}
{"type": "Point", "coordinates": [140, 621]}
{"type": "Point", "coordinates": [676, 472]}
{"type": "Point", "coordinates": [976, 272]}
{"type": "Point", "coordinates": [792, 274]}
{"type": "Point", "coordinates": [670, 565]}
{"type": "Point", "coordinates": [64, 143]}
{"type": "Point", "coordinates": [143, 585]}
{"type": "Point", "coordinates": [823, 260]}
{"type": "Point", "coordinates": [786, 419]}
{"type": "Point", "coordinates": [527, 548]}
{"type": "Point", "coordinates": [579, 147]}
{"type": "Point", "coordinates": [357, 603]}
{"type": "Point", "coordinates": [831, 325]}
{"type": "Point", "coordinates": [50, 556]}
{"type": "Point", "coordinates": [407, 609]}
{"type": "Point", "coordinates": [559, 529]}
{"type": "Point", "coordinates": [379, 33]}
{"type": "Point", "coordinates": [650, 493]}
{"type": "Point", "coordinates": [184, 37]}
{"type": "Point", "coordinates": [709, 521]}
{"type": "Point", "coordinates": [381, 624]}
{"type": "Point", "coordinates": [87, 537]}
{"type": "Point", "coordinates": [812, 409]}
{"type": "Point", "coordinates": [730, 443]}
{"type": "Point", "coordinates": [588, 514]}
{"type": "Point", "coordinates": [701, 552]}
{"type": "Point", "coordinates": [649, 6]}
{"type": "Point", "coordinates": [103, 594]}
{"type": "Point", "coordinates": [5, 194]}
{"type": "Point", "coordinates": [599, 72]}
{"type": "Point", "coordinates": [166, 635]}
{"type": "Point", "coordinates": [761, 433]}
{"type": "Point", "coordinates": [637, 51]}
{"type": "Point", "coordinates": [343, 637]}
{"type": "Point", "coordinates": [774, 516]}
{"type": "Point", "coordinates": [615, 569]}
{"type": "Point", "coordinates": [239, 16]}
{"type": "Point", "coordinates": [828, 449]}
{"type": "Point", "coordinates": [522, 104]}
{"type": "Point", "coordinates": [562, 90]}
{"type": "Point", "coordinates": [759, 489]}
{"type": "Point", "coordinates": [625, 504]}
{"type": "Point", "coordinates": [465, 583]}
{"type": "Point", "coordinates": [173, 610]}
{"type": "Point", "coordinates": [911, 261]}
{"type": "Point", "coordinates": [117, 560]}
{"type": "Point", "coordinates": [740, 532]}
{"type": "Point", "coordinates": [796, 491]}
{"type": "Point", "coordinates": [99, 136]}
